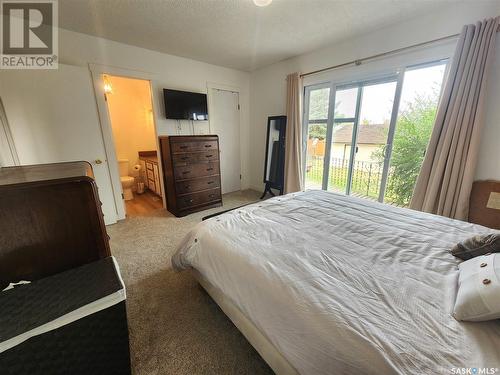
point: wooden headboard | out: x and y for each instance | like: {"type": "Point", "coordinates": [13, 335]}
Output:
{"type": "Point", "coordinates": [484, 207]}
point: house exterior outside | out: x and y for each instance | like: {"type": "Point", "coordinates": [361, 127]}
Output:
{"type": "Point", "coordinates": [371, 137]}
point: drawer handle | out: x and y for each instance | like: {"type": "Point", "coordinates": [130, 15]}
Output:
{"type": "Point", "coordinates": [185, 158]}
{"type": "Point", "coordinates": [208, 146]}
{"type": "Point", "coordinates": [208, 156]}
{"type": "Point", "coordinates": [183, 147]}
{"type": "Point", "coordinates": [209, 169]}
{"type": "Point", "coordinates": [210, 182]}
{"type": "Point", "coordinates": [186, 172]}
{"type": "Point", "coordinates": [187, 186]}
{"type": "Point", "coordinates": [211, 195]}
{"type": "Point", "coordinates": [188, 200]}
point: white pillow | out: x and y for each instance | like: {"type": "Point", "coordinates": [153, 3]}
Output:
{"type": "Point", "coordinates": [478, 296]}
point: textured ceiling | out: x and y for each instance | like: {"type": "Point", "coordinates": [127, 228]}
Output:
{"type": "Point", "coordinates": [234, 33]}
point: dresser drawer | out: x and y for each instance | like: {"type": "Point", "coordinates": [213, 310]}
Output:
{"type": "Point", "coordinates": [197, 199]}
{"type": "Point", "coordinates": [192, 186]}
{"type": "Point", "coordinates": [195, 157]}
{"type": "Point", "coordinates": [150, 175]}
{"type": "Point", "coordinates": [194, 146]}
{"type": "Point", "coordinates": [191, 172]}
{"type": "Point", "coordinates": [196, 170]}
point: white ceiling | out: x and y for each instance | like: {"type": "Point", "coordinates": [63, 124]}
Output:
{"type": "Point", "coordinates": [234, 33]}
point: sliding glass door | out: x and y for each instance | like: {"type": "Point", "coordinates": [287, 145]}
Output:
{"type": "Point", "coordinates": [345, 148]}
{"type": "Point", "coordinates": [340, 138]}
{"type": "Point", "coordinates": [358, 136]}
{"type": "Point", "coordinates": [420, 94]}
{"type": "Point", "coordinates": [318, 100]}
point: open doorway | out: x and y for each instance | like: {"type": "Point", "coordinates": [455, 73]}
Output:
{"type": "Point", "coordinates": [130, 109]}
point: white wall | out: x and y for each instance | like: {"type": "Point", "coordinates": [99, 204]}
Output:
{"type": "Point", "coordinates": [167, 71]}
{"type": "Point", "coordinates": [267, 85]}
{"type": "Point", "coordinates": [53, 117]}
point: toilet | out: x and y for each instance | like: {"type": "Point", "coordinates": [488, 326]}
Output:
{"type": "Point", "coordinates": [126, 180]}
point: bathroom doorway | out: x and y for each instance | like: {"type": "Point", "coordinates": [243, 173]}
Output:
{"type": "Point", "coordinates": [130, 110]}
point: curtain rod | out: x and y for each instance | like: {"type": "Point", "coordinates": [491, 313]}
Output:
{"type": "Point", "coordinates": [360, 61]}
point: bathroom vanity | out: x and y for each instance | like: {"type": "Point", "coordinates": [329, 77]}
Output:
{"type": "Point", "coordinates": [150, 171]}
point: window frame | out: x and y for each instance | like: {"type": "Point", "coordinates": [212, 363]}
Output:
{"type": "Point", "coordinates": [395, 74]}
{"type": "Point", "coordinates": [305, 118]}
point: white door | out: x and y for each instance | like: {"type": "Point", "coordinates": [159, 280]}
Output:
{"type": "Point", "coordinates": [53, 118]}
{"type": "Point", "coordinates": [225, 122]}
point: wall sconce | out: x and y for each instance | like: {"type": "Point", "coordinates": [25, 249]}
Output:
{"type": "Point", "coordinates": [108, 89]}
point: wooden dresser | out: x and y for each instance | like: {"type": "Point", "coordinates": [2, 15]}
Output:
{"type": "Point", "coordinates": [191, 173]}
{"type": "Point", "coordinates": [50, 220]}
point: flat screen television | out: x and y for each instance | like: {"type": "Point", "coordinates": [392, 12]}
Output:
{"type": "Point", "coordinates": [183, 105]}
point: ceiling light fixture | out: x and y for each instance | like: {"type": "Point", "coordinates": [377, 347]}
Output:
{"type": "Point", "coordinates": [262, 3]}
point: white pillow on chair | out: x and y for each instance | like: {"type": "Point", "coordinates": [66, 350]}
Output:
{"type": "Point", "coordinates": [478, 296]}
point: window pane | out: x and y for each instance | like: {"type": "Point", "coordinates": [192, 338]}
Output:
{"type": "Point", "coordinates": [417, 111]}
{"type": "Point", "coordinates": [366, 178]}
{"type": "Point", "coordinates": [377, 103]}
{"type": "Point", "coordinates": [318, 104]}
{"type": "Point", "coordinates": [375, 117]}
{"type": "Point", "coordinates": [345, 103]}
{"type": "Point", "coordinates": [315, 154]}
{"type": "Point", "coordinates": [340, 156]}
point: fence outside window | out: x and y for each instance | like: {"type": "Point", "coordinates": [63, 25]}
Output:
{"type": "Point", "coordinates": [366, 177]}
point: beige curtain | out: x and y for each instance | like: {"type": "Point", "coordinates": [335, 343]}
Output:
{"type": "Point", "coordinates": [445, 181]}
{"type": "Point", "coordinates": [293, 155]}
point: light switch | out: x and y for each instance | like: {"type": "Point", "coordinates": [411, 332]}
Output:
{"type": "Point", "coordinates": [494, 201]}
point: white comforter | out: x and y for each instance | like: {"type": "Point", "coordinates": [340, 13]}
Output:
{"type": "Point", "coordinates": [341, 285]}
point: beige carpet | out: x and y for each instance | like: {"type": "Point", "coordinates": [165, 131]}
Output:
{"type": "Point", "coordinates": [175, 327]}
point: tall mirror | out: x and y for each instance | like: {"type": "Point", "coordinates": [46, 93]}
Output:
{"type": "Point", "coordinates": [274, 168]}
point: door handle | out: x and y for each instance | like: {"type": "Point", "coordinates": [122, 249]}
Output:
{"type": "Point", "coordinates": [384, 151]}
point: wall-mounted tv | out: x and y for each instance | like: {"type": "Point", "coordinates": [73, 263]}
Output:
{"type": "Point", "coordinates": [183, 105]}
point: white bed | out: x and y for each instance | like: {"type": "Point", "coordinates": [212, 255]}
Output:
{"type": "Point", "coordinates": [322, 283]}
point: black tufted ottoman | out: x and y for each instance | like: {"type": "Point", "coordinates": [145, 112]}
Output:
{"type": "Point", "coordinates": [71, 323]}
